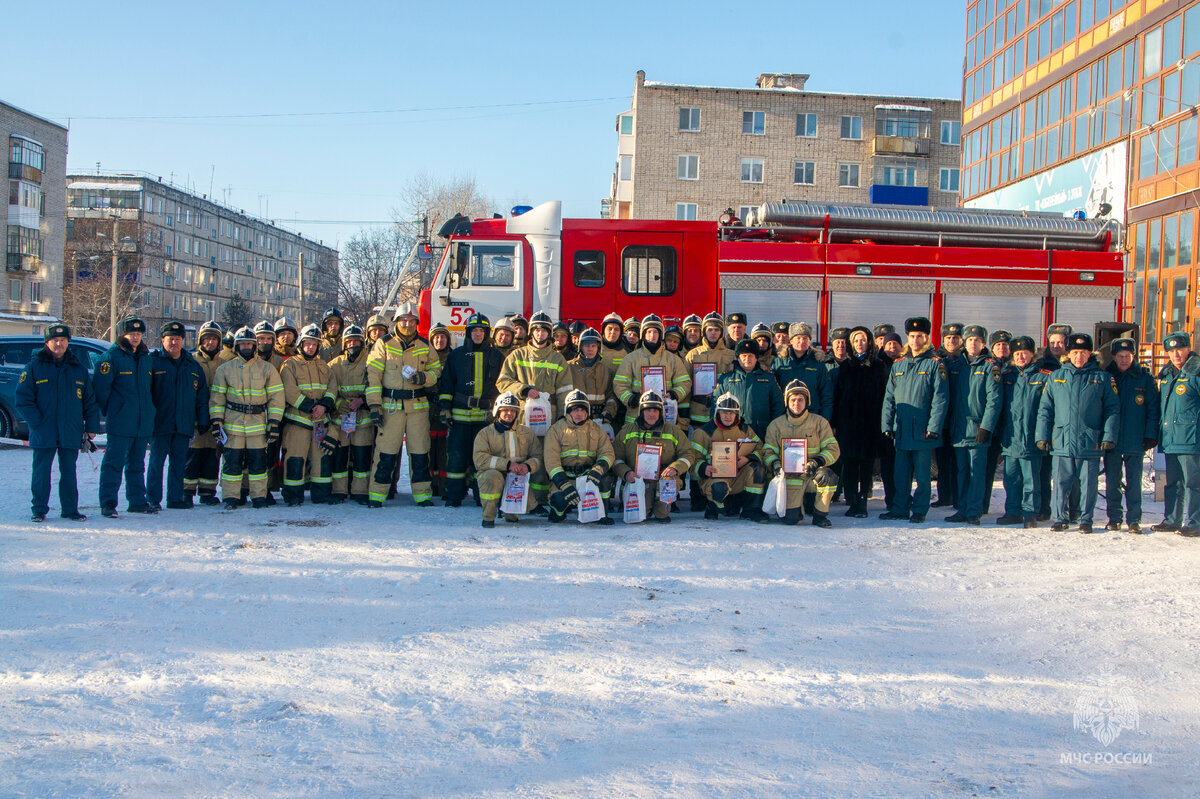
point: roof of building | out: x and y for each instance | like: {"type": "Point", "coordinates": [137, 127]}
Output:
{"type": "Point", "coordinates": [654, 84]}
{"type": "Point", "coordinates": [35, 116]}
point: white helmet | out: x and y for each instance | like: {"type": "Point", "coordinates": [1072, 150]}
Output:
{"type": "Point", "coordinates": [506, 400]}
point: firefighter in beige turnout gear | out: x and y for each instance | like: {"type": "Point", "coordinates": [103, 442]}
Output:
{"type": "Point", "coordinates": [502, 447]}
{"type": "Point", "coordinates": [308, 440]}
{"type": "Point", "coordinates": [402, 371]}
{"type": "Point", "coordinates": [203, 468]}
{"type": "Point", "coordinates": [821, 452]}
{"type": "Point", "coordinates": [352, 460]}
{"type": "Point", "coordinates": [576, 446]}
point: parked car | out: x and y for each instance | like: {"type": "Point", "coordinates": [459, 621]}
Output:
{"type": "Point", "coordinates": [15, 353]}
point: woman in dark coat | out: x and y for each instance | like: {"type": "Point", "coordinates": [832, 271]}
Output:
{"type": "Point", "coordinates": [857, 407]}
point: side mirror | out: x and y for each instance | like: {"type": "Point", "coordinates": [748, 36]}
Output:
{"type": "Point", "coordinates": [454, 281]}
{"type": "Point", "coordinates": [424, 252]}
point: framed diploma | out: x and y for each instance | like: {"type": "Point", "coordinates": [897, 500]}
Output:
{"type": "Point", "coordinates": [704, 379]}
{"type": "Point", "coordinates": [795, 455]}
{"type": "Point", "coordinates": [648, 458]}
{"type": "Point", "coordinates": [724, 459]}
{"type": "Point", "coordinates": [654, 379]}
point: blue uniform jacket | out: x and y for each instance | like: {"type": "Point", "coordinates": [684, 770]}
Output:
{"type": "Point", "coordinates": [180, 393]}
{"type": "Point", "coordinates": [1022, 390]}
{"type": "Point", "coordinates": [1079, 410]}
{"type": "Point", "coordinates": [759, 394]}
{"type": "Point", "coordinates": [1137, 393]}
{"type": "Point", "coordinates": [976, 400]}
{"type": "Point", "coordinates": [57, 401]}
{"type": "Point", "coordinates": [812, 373]}
{"type": "Point", "coordinates": [122, 380]}
{"type": "Point", "coordinates": [916, 400]}
{"type": "Point", "coordinates": [1180, 403]}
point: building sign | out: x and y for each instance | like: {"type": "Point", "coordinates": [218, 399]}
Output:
{"type": "Point", "coordinates": [1081, 184]}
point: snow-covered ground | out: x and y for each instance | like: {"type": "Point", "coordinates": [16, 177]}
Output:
{"type": "Point", "coordinates": [316, 652]}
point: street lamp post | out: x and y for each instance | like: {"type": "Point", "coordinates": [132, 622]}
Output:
{"type": "Point", "coordinates": [112, 311]}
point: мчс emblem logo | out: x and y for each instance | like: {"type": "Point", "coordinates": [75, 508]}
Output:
{"type": "Point", "coordinates": [1106, 709]}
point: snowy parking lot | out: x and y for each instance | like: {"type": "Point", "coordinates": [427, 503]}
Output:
{"type": "Point", "coordinates": [317, 652]}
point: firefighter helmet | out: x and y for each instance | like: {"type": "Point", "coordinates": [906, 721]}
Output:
{"type": "Point", "coordinates": [576, 399]}
{"type": "Point", "coordinates": [728, 402]}
{"type": "Point", "coordinates": [477, 320]}
{"type": "Point", "coordinates": [760, 330]}
{"type": "Point", "coordinates": [244, 334]}
{"type": "Point", "coordinates": [714, 319]}
{"type": "Point", "coordinates": [540, 319]}
{"type": "Point", "coordinates": [439, 328]}
{"type": "Point", "coordinates": [284, 323]}
{"type": "Point", "coordinates": [577, 328]}
{"type": "Point", "coordinates": [378, 320]}
{"type": "Point", "coordinates": [331, 313]}
{"type": "Point", "coordinates": [797, 387]}
{"type": "Point", "coordinates": [264, 327]}
{"type": "Point", "coordinates": [209, 328]}
{"type": "Point", "coordinates": [505, 323]}
{"type": "Point", "coordinates": [506, 400]}
{"type": "Point", "coordinates": [589, 336]}
{"type": "Point", "coordinates": [633, 324]}
{"type": "Point", "coordinates": [691, 320]}
{"type": "Point", "coordinates": [651, 321]}
{"type": "Point", "coordinates": [560, 327]}
{"type": "Point", "coordinates": [650, 399]}
{"type": "Point", "coordinates": [352, 331]}
{"type": "Point", "coordinates": [673, 330]}
{"type": "Point", "coordinates": [309, 332]}
{"type": "Point", "coordinates": [406, 310]}
{"type": "Point", "coordinates": [613, 318]}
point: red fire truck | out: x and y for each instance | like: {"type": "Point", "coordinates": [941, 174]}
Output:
{"type": "Point", "coordinates": [830, 265]}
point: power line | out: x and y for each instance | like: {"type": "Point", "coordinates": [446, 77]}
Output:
{"type": "Point", "coordinates": [351, 113]}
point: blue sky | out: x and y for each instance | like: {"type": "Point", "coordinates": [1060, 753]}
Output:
{"type": "Point", "coordinates": [322, 111]}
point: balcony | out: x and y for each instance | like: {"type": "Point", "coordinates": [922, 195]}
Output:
{"type": "Point", "coordinates": [901, 145]}
{"type": "Point", "coordinates": [16, 262]}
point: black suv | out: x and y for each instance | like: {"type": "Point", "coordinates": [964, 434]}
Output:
{"type": "Point", "coordinates": [15, 353]}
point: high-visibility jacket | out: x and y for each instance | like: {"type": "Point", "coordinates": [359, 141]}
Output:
{"type": "Point", "coordinates": [350, 382]}
{"type": "Point", "coordinates": [386, 384]}
{"type": "Point", "coordinates": [597, 382]}
{"type": "Point", "coordinates": [306, 383]}
{"type": "Point", "coordinates": [574, 448]}
{"type": "Point", "coordinates": [496, 447]}
{"type": "Point", "coordinates": [540, 368]}
{"type": "Point", "coordinates": [676, 448]}
{"type": "Point", "coordinates": [246, 384]}
{"type": "Point", "coordinates": [627, 382]}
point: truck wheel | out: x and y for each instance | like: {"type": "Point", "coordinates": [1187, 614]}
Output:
{"type": "Point", "coordinates": [6, 424]}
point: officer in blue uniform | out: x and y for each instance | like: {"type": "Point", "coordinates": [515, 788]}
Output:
{"type": "Point", "coordinates": [1022, 383]}
{"type": "Point", "coordinates": [1078, 421]}
{"type": "Point", "coordinates": [1179, 440]}
{"type": "Point", "coordinates": [180, 393]}
{"type": "Point", "coordinates": [1138, 395]}
{"type": "Point", "coordinates": [953, 361]}
{"type": "Point", "coordinates": [975, 405]}
{"type": "Point", "coordinates": [799, 362]}
{"type": "Point", "coordinates": [914, 415]}
{"type": "Point", "coordinates": [122, 382]}
{"type": "Point", "coordinates": [55, 397]}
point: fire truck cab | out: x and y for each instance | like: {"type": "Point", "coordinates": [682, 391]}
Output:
{"type": "Point", "coordinates": [830, 265]}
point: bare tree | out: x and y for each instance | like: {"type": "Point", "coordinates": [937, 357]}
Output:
{"type": "Point", "coordinates": [87, 279]}
{"type": "Point", "coordinates": [368, 265]}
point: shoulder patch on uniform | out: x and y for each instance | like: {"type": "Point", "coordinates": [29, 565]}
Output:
{"type": "Point", "coordinates": [23, 376]}
{"type": "Point", "coordinates": [105, 367]}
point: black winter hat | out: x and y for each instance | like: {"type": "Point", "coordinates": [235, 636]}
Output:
{"type": "Point", "coordinates": [882, 330]}
{"type": "Point", "coordinates": [172, 329]}
{"type": "Point", "coordinates": [132, 325]}
{"type": "Point", "coordinates": [56, 331]}
{"type": "Point", "coordinates": [1079, 341]}
{"type": "Point", "coordinates": [918, 324]}
{"type": "Point", "coordinates": [999, 336]}
{"type": "Point", "coordinates": [1023, 343]}
{"type": "Point", "coordinates": [738, 318]}
{"type": "Point", "coordinates": [843, 333]}
{"type": "Point", "coordinates": [746, 345]}
{"type": "Point", "coordinates": [1059, 330]}
{"type": "Point", "coordinates": [1123, 345]}
{"type": "Point", "coordinates": [1177, 341]}
{"type": "Point", "coordinates": [952, 329]}
{"type": "Point", "coordinates": [978, 331]}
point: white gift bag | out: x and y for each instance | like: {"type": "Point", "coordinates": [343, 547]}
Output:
{"type": "Point", "coordinates": [670, 410]}
{"type": "Point", "coordinates": [591, 504]}
{"type": "Point", "coordinates": [537, 414]}
{"type": "Point", "coordinates": [635, 501]}
{"type": "Point", "coordinates": [775, 497]}
{"type": "Point", "coordinates": [608, 430]}
{"type": "Point", "coordinates": [516, 494]}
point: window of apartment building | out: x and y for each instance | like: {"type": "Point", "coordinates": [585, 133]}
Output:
{"type": "Point", "coordinates": [14, 289]}
{"type": "Point", "coordinates": [626, 168]}
{"type": "Point", "coordinates": [35, 291]}
{"type": "Point", "coordinates": [848, 175]}
{"type": "Point", "coordinates": [626, 124]}
{"type": "Point", "coordinates": [747, 212]}
{"type": "Point", "coordinates": [896, 175]}
{"type": "Point", "coordinates": [687, 167]}
{"type": "Point", "coordinates": [170, 221]}
{"type": "Point", "coordinates": [951, 132]}
{"type": "Point", "coordinates": [948, 180]}
{"type": "Point", "coordinates": [648, 270]}
{"type": "Point", "coordinates": [851, 128]}
{"type": "Point", "coordinates": [804, 172]}
{"type": "Point", "coordinates": [806, 126]}
{"type": "Point", "coordinates": [752, 170]}
{"type": "Point", "coordinates": [685, 211]}
{"type": "Point", "coordinates": [689, 119]}
{"type": "Point", "coordinates": [754, 123]}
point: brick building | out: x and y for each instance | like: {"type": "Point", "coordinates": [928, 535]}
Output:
{"type": "Point", "coordinates": [37, 168]}
{"type": "Point", "coordinates": [690, 152]}
{"type": "Point", "coordinates": [185, 255]}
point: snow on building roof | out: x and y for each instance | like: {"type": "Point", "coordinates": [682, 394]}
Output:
{"type": "Point", "coordinates": [661, 85]}
{"type": "Point", "coordinates": [898, 107]}
{"type": "Point", "coordinates": [103, 185]}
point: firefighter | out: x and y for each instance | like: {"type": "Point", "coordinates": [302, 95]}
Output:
{"type": "Point", "coordinates": [821, 452]}
{"type": "Point", "coordinates": [801, 363]}
{"type": "Point", "coordinates": [1178, 441]}
{"type": "Point", "coordinates": [203, 467]}
{"type": "Point", "coordinates": [727, 425]}
{"type": "Point", "coordinates": [976, 403]}
{"type": "Point", "coordinates": [612, 347]}
{"type": "Point", "coordinates": [593, 375]}
{"type": "Point", "coordinates": [352, 461]}
{"type": "Point", "coordinates": [674, 458]}
{"type": "Point", "coordinates": [501, 447]}
{"type": "Point", "coordinates": [629, 381]}
{"type": "Point", "coordinates": [561, 335]}
{"type": "Point", "coordinates": [121, 381]}
{"type": "Point", "coordinates": [502, 337]}
{"type": "Point", "coordinates": [1023, 382]}
{"type": "Point", "coordinates": [246, 407]}
{"type": "Point", "coordinates": [531, 371]}
{"type": "Point", "coordinates": [673, 340]}
{"type": "Point", "coordinates": [309, 439]}
{"type": "Point", "coordinates": [467, 389]}
{"type": "Point", "coordinates": [377, 328]}
{"type": "Point", "coordinates": [779, 337]}
{"type": "Point", "coordinates": [914, 416]}
{"type": "Point", "coordinates": [1078, 422]}
{"type": "Point", "coordinates": [576, 329]}
{"type": "Point", "coordinates": [631, 330]}
{"type": "Point", "coordinates": [735, 329]}
{"type": "Point", "coordinates": [520, 328]}
{"type": "Point", "coordinates": [400, 370]}
{"type": "Point", "coordinates": [693, 329]}
{"type": "Point", "coordinates": [179, 388]}
{"type": "Point", "coordinates": [758, 395]}
{"type": "Point", "coordinates": [857, 398]}
{"type": "Point", "coordinates": [882, 331]}
{"type": "Point", "coordinates": [761, 335]}
{"type": "Point", "coordinates": [264, 335]}
{"type": "Point", "coordinates": [711, 350]}
{"type": "Point", "coordinates": [286, 334]}
{"type": "Point", "coordinates": [574, 447]}
{"type": "Point", "coordinates": [55, 397]}
{"type": "Point", "coordinates": [952, 358]}
{"type": "Point", "coordinates": [332, 324]}
{"type": "Point", "coordinates": [439, 339]}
